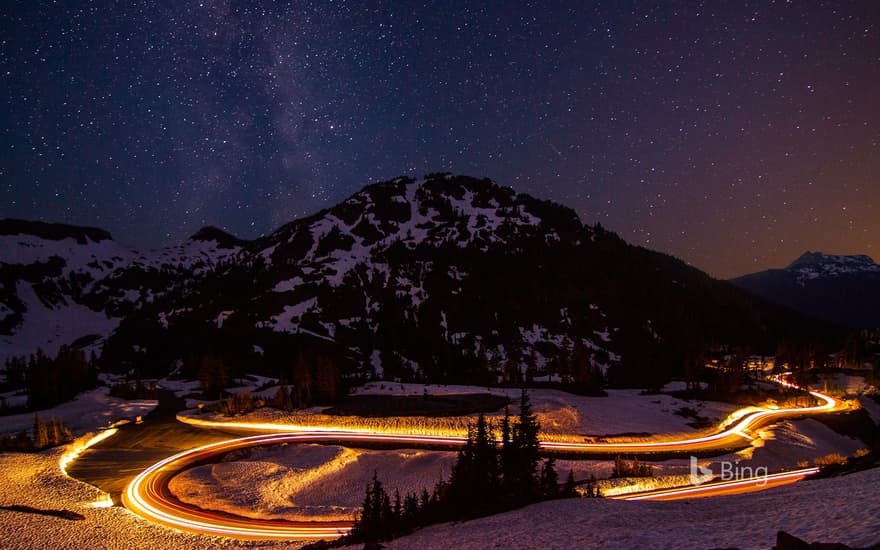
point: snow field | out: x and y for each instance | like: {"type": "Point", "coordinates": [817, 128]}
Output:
{"type": "Point", "coordinates": [307, 482]}
{"type": "Point", "coordinates": [843, 509]}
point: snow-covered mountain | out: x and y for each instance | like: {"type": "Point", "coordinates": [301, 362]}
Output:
{"type": "Point", "coordinates": [450, 278]}
{"type": "Point", "coordinates": [816, 265]}
{"type": "Point", "coordinates": [411, 277]}
{"type": "Point", "coordinates": [60, 284]}
{"type": "Point", "coordinates": [842, 289]}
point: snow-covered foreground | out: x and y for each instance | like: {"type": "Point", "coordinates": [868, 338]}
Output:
{"type": "Point", "coordinates": [327, 482]}
{"type": "Point", "coordinates": [841, 509]}
{"type": "Point", "coordinates": [307, 482]}
{"type": "Point", "coordinates": [35, 480]}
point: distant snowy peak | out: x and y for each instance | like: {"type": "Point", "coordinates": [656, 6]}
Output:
{"type": "Point", "coordinates": [841, 289]}
{"type": "Point", "coordinates": [222, 238]}
{"type": "Point", "coordinates": [814, 265]}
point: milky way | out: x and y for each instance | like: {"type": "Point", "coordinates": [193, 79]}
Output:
{"type": "Point", "coordinates": [734, 137]}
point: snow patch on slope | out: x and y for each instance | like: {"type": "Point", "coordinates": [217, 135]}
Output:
{"type": "Point", "coordinates": [48, 328]}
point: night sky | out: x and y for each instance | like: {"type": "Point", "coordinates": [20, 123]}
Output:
{"type": "Point", "coordinates": [732, 136]}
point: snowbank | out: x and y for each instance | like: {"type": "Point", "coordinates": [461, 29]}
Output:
{"type": "Point", "coordinates": [843, 509]}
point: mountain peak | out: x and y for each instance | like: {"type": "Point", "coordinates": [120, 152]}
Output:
{"type": "Point", "coordinates": [832, 264]}
{"type": "Point", "coordinates": [440, 211]}
{"type": "Point", "coordinates": [222, 238]}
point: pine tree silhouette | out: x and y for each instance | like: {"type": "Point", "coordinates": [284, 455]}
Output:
{"type": "Point", "coordinates": [41, 433]}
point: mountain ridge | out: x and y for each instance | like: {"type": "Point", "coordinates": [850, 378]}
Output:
{"type": "Point", "coordinates": [449, 278]}
{"type": "Point", "coordinates": [59, 283]}
{"type": "Point", "coordinates": [52, 231]}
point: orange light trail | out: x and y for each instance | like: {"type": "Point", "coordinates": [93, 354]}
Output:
{"type": "Point", "coordinates": [718, 488]}
{"type": "Point", "coordinates": [77, 449]}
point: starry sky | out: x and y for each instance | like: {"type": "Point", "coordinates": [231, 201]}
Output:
{"type": "Point", "coordinates": [734, 135]}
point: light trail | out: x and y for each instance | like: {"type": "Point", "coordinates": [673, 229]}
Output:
{"type": "Point", "coordinates": [733, 436]}
{"type": "Point", "coordinates": [718, 488]}
{"type": "Point", "coordinates": [723, 439]}
{"type": "Point", "coordinates": [148, 494]}
{"type": "Point", "coordinates": [77, 449]}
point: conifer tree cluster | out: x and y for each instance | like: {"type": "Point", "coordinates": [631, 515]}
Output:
{"type": "Point", "coordinates": [50, 434]}
{"type": "Point", "coordinates": [50, 381]}
{"type": "Point", "coordinates": [487, 478]}
{"type": "Point", "coordinates": [44, 435]}
{"type": "Point", "coordinates": [631, 468]}
{"type": "Point", "coordinates": [282, 398]}
{"type": "Point", "coordinates": [134, 389]}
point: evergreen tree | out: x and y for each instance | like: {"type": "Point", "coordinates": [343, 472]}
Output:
{"type": "Point", "coordinates": [580, 363]}
{"type": "Point", "coordinates": [486, 458]}
{"type": "Point", "coordinates": [281, 400]}
{"type": "Point", "coordinates": [508, 454]}
{"type": "Point", "coordinates": [549, 479]}
{"type": "Point", "coordinates": [365, 519]}
{"type": "Point", "coordinates": [65, 434]}
{"type": "Point", "coordinates": [302, 381]}
{"type": "Point", "coordinates": [520, 455]}
{"type": "Point", "coordinates": [564, 360]}
{"type": "Point", "coordinates": [386, 516]}
{"type": "Point", "coordinates": [16, 372]}
{"type": "Point", "coordinates": [213, 375]}
{"type": "Point", "coordinates": [592, 488]}
{"type": "Point", "coordinates": [474, 484]}
{"type": "Point", "coordinates": [398, 505]}
{"type": "Point", "coordinates": [512, 372]}
{"type": "Point", "coordinates": [410, 507]}
{"type": "Point", "coordinates": [53, 430]}
{"type": "Point", "coordinates": [526, 434]}
{"type": "Point", "coordinates": [569, 490]}
{"type": "Point", "coordinates": [376, 521]}
{"type": "Point", "coordinates": [41, 434]}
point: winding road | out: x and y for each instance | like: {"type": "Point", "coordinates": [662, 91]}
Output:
{"type": "Point", "coordinates": [148, 494]}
